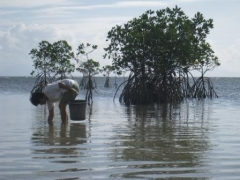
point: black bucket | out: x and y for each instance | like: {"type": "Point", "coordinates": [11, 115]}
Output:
{"type": "Point", "coordinates": [77, 110]}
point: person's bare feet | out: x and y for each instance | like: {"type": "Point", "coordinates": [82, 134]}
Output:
{"type": "Point", "coordinates": [64, 122]}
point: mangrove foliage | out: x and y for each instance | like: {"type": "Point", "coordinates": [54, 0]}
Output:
{"type": "Point", "coordinates": [160, 50]}
{"type": "Point", "coordinates": [89, 68]}
{"type": "Point", "coordinates": [51, 62]}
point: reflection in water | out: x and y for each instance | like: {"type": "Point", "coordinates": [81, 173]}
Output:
{"type": "Point", "coordinates": [162, 137]}
{"type": "Point", "coordinates": [50, 141]}
{"type": "Point", "coordinates": [190, 140]}
{"type": "Point", "coordinates": [167, 141]}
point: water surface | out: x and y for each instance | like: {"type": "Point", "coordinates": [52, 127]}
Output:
{"type": "Point", "coordinates": [191, 140]}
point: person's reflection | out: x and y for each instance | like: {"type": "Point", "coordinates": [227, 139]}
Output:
{"type": "Point", "coordinates": [63, 140]}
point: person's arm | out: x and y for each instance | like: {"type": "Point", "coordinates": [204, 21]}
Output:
{"type": "Point", "coordinates": [64, 86]}
{"type": "Point", "coordinates": [50, 116]}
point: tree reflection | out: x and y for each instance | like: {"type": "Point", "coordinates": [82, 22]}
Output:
{"type": "Point", "coordinates": [164, 136]}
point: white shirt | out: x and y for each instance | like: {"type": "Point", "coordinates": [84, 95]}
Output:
{"type": "Point", "coordinates": [54, 92]}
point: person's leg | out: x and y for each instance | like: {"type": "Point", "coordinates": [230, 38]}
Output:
{"type": "Point", "coordinates": [63, 111]}
{"type": "Point", "coordinates": [67, 97]}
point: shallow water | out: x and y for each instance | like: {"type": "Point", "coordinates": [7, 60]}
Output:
{"type": "Point", "coordinates": [191, 140]}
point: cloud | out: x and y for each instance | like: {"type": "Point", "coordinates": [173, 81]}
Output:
{"type": "Point", "coordinates": [25, 24]}
{"type": "Point", "coordinates": [30, 3]}
{"type": "Point", "coordinates": [228, 57]}
{"type": "Point", "coordinates": [20, 36]}
{"type": "Point", "coordinates": [67, 5]}
{"type": "Point", "coordinates": [16, 44]}
{"type": "Point", "coordinates": [116, 4]}
{"type": "Point", "coordinates": [127, 4]}
{"type": "Point", "coordinates": [231, 57]}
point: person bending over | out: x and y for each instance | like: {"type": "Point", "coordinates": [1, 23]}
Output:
{"type": "Point", "coordinates": [64, 91]}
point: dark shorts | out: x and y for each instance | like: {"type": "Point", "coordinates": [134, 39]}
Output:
{"type": "Point", "coordinates": [69, 95]}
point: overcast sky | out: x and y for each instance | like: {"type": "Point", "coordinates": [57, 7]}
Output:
{"type": "Point", "coordinates": [25, 23]}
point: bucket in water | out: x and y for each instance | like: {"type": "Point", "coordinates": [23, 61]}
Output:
{"type": "Point", "coordinates": [77, 110]}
